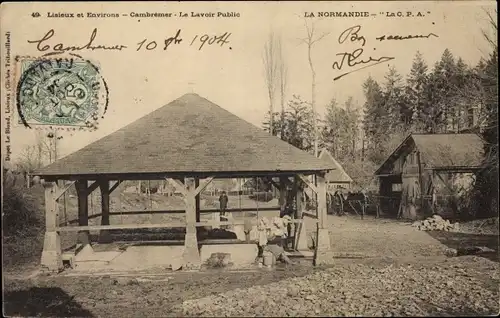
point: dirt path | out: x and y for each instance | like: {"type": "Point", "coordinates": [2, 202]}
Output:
{"type": "Point", "coordinates": [388, 287]}
{"type": "Point", "coordinates": [380, 238]}
{"type": "Point", "coordinates": [400, 271]}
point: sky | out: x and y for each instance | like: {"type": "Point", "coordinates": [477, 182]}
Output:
{"type": "Point", "coordinates": [232, 75]}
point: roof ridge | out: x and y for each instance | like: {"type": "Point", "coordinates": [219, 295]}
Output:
{"type": "Point", "coordinates": [189, 134]}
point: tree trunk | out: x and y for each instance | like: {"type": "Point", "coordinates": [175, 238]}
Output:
{"type": "Point", "coordinates": [313, 99]}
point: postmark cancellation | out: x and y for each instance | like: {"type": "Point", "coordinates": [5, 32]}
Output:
{"type": "Point", "coordinates": [60, 91]}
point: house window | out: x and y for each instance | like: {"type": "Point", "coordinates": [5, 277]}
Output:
{"type": "Point", "coordinates": [397, 187]}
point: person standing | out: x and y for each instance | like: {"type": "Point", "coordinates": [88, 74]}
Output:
{"type": "Point", "coordinates": [223, 199]}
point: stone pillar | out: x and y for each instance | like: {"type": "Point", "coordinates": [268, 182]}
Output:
{"type": "Point", "coordinates": [52, 253]}
{"type": "Point", "coordinates": [323, 240]}
{"type": "Point", "coordinates": [191, 253]}
{"type": "Point", "coordinates": [83, 210]}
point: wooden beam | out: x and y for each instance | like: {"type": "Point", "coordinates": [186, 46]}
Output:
{"type": "Point", "coordinates": [283, 180]}
{"type": "Point", "coordinates": [420, 180]}
{"type": "Point", "coordinates": [120, 227]}
{"type": "Point", "coordinates": [51, 206]}
{"type": "Point", "coordinates": [203, 185]}
{"type": "Point", "coordinates": [104, 186]}
{"type": "Point", "coordinates": [180, 211]}
{"type": "Point", "coordinates": [178, 186]}
{"type": "Point", "coordinates": [83, 203]}
{"type": "Point", "coordinates": [310, 215]}
{"type": "Point", "coordinates": [298, 198]}
{"type": "Point", "coordinates": [114, 186]}
{"type": "Point", "coordinates": [155, 226]}
{"type": "Point", "coordinates": [275, 184]}
{"type": "Point", "coordinates": [402, 203]}
{"type": "Point", "coordinates": [66, 188]}
{"type": "Point", "coordinates": [445, 183]}
{"type": "Point", "coordinates": [105, 192]}
{"type": "Point", "coordinates": [308, 183]}
{"type": "Point", "coordinates": [179, 175]}
{"type": "Point", "coordinates": [197, 198]}
{"type": "Point", "coordinates": [92, 187]}
{"type": "Point", "coordinates": [282, 198]}
{"type": "Point", "coordinates": [83, 210]}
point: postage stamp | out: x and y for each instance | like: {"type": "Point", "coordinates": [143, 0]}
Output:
{"type": "Point", "coordinates": [60, 91]}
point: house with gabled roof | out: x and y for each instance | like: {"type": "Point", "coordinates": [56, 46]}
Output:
{"type": "Point", "coordinates": [427, 174]}
{"type": "Point", "coordinates": [336, 178]}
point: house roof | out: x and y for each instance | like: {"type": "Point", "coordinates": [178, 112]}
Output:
{"type": "Point", "coordinates": [443, 151]}
{"type": "Point", "coordinates": [337, 175]}
{"type": "Point", "coordinates": [189, 135]}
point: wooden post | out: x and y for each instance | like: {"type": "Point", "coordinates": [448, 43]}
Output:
{"type": "Point", "coordinates": [83, 192]}
{"type": "Point", "coordinates": [421, 182]}
{"type": "Point", "coordinates": [300, 233]}
{"type": "Point", "coordinates": [52, 253]}
{"type": "Point", "coordinates": [191, 254]}
{"type": "Point", "coordinates": [363, 209]}
{"type": "Point", "coordinates": [104, 235]}
{"type": "Point", "coordinates": [298, 198]}
{"type": "Point", "coordinates": [197, 201]}
{"type": "Point", "coordinates": [282, 189]}
{"type": "Point", "coordinates": [104, 187]}
{"type": "Point", "coordinates": [323, 238]}
{"type": "Point", "coordinates": [62, 185]}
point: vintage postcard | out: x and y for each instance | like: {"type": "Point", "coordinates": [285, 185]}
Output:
{"type": "Point", "coordinates": [266, 158]}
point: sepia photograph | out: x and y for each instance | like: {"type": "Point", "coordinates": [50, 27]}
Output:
{"type": "Point", "coordinates": [249, 158]}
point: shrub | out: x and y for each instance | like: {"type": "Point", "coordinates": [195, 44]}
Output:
{"type": "Point", "coordinates": [23, 222]}
{"type": "Point", "coordinates": [22, 208]}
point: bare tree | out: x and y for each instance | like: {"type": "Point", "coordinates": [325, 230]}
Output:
{"type": "Point", "coordinates": [283, 73]}
{"type": "Point", "coordinates": [310, 40]}
{"type": "Point", "coordinates": [271, 68]}
{"type": "Point", "coordinates": [494, 27]}
{"type": "Point", "coordinates": [43, 148]}
{"type": "Point", "coordinates": [32, 157]}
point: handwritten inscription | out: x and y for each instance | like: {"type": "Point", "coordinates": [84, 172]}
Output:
{"type": "Point", "coordinates": [217, 39]}
{"type": "Point", "coordinates": [46, 42]}
{"type": "Point", "coordinates": [352, 34]}
{"type": "Point", "coordinates": [354, 58]}
{"type": "Point", "coordinates": [42, 45]}
{"type": "Point", "coordinates": [153, 45]}
{"type": "Point", "coordinates": [406, 37]}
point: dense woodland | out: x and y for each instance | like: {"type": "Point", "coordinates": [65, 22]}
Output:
{"type": "Point", "coordinates": [447, 97]}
